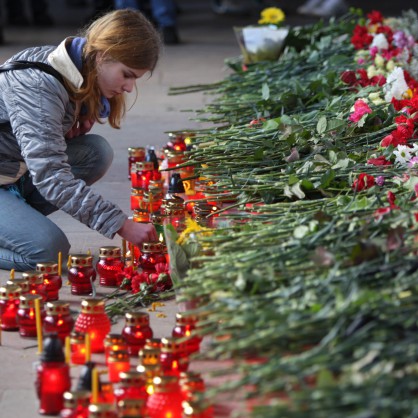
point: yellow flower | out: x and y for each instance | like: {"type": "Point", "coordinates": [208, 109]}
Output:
{"type": "Point", "coordinates": [379, 61]}
{"type": "Point", "coordinates": [271, 16]}
{"type": "Point", "coordinates": [191, 227]}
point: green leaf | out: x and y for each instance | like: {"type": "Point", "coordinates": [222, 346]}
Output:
{"type": "Point", "coordinates": [327, 178]}
{"type": "Point", "coordinates": [265, 91]}
{"type": "Point", "coordinates": [259, 154]}
{"type": "Point", "coordinates": [321, 126]}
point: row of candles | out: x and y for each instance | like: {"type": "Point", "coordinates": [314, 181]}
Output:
{"type": "Point", "coordinates": [159, 387]}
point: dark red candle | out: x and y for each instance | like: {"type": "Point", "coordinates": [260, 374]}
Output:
{"type": "Point", "coordinates": [76, 404]}
{"type": "Point", "coordinates": [81, 274]}
{"type": "Point", "coordinates": [174, 358]}
{"type": "Point", "coordinates": [136, 331]}
{"type": "Point", "coordinates": [110, 266]}
{"type": "Point", "coordinates": [137, 196]}
{"type": "Point", "coordinates": [135, 155]}
{"type": "Point", "coordinates": [186, 328]}
{"type": "Point", "coordinates": [114, 342]}
{"type": "Point", "coordinates": [132, 385]}
{"type": "Point", "coordinates": [53, 377]}
{"type": "Point", "coordinates": [78, 347]}
{"type": "Point", "coordinates": [36, 283]}
{"type": "Point", "coordinates": [52, 280]}
{"type": "Point", "coordinates": [118, 361]}
{"type": "Point", "coordinates": [9, 304]}
{"type": "Point", "coordinates": [58, 319]}
{"type": "Point", "coordinates": [21, 282]}
{"type": "Point", "coordinates": [166, 401]}
{"type": "Point", "coordinates": [152, 253]}
{"type": "Point", "coordinates": [26, 318]}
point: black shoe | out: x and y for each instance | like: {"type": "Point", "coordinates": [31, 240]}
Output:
{"type": "Point", "coordinates": [170, 36]}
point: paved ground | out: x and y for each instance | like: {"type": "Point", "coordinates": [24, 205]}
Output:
{"type": "Point", "coordinates": [207, 39]}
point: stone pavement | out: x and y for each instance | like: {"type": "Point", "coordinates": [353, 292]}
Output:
{"type": "Point", "coordinates": [207, 39]}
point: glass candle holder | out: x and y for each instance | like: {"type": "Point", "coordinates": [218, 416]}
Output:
{"type": "Point", "coordinates": [21, 282]}
{"type": "Point", "coordinates": [93, 320]}
{"type": "Point", "coordinates": [173, 357]}
{"type": "Point", "coordinates": [141, 216]}
{"type": "Point", "coordinates": [166, 401]}
{"type": "Point", "coordinates": [132, 385]}
{"type": "Point", "coordinates": [114, 342]}
{"type": "Point", "coordinates": [145, 172]}
{"type": "Point", "coordinates": [152, 200]}
{"type": "Point", "coordinates": [117, 362]}
{"type": "Point", "coordinates": [191, 383]}
{"type": "Point", "coordinates": [78, 347]}
{"type": "Point", "coordinates": [76, 404]}
{"type": "Point", "coordinates": [52, 377]}
{"type": "Point", "coordinates": [152, 253]}
{"type": "Point", "coordinates": [150, 371]}
{"type": "Point", "coordinates": [103, 410]}
{"type": "Point", "coordinates": [129, 408]}
{"type": "Point", "coordinates": [26, 317]}
{"type": "Point", "coordinates": [136, 331]}
{"type": "Point", "coordinates": [81, 274]}
{"type": "Point", "coordinates": [135, 155]}
{"type": "Point", "coordinates": [137, 195]}
{"type": "Point", "coordinates": [177, 141]}
{"type": "Point", "coordinates": [36, 283]}
{"type": "Point", "coordinates": [9, 304]}
{"type": "Point", "coordinates": [52, 280]}
{"type": "Point", "coordinates": [58, 319]}
{"type": "Point", "coordinates": [110, 266]}
{"type": "Point", "coordinates": [185, 328]}
{"type": "Point", "coordinates": [153, 343]}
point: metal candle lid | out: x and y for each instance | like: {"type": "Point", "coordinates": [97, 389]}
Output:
{"type": "Point", "coordinates": [137, 191]}
{"type": "Point", "coordinates": [137, 318]}
{"type": "Point", "coordinates": [81, 260]}
{"type": "Point", "coordinates": [92, 306]}
{"type": "Point", "coordinates": [185, 319]}
{"type": "Point", "coordinates": [34, 277]}
{"type": "Point", "coordinates": [152, 247]}
{"type": "Point", "coordinates": [144, 166]}
{"type": "Point", "coordinates": [131, 407]}
{"type": "Point", "coordinates": [28, 301]}
{"type": "Point", "coordinates": [47, 268]}
{"type": "Point", "coordinates": [97, 410]}
{"type": "Point", "coordinates": [57, 307]}
{"type": "Point", "coordinates": [118, 355]}
{"type": "Point", "coordinates": [77, 337]}
{"type": "Point", "coordinates": [21, 282]}
{"type": "Point", "coordinates": [172, 345]}
{"type": "Point", "coordinates": [110, 252]}
{"type": "Point", "coordinates": [132, 378]}
{"type": "Point", "coordinates": [165, 383]}
{"type": "Point", "coordinates": [137, 152]}
{"type": "Point", "coordinates": [114, 339]}
{"type": "Point", "coordinates": [77, 397]}
{"type": "Point", "coordinates": [149, 356]}
{"type": "Point", "coordinates": [10, 292]}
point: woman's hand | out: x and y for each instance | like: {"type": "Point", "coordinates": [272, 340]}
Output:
{"type": "Point", "coordinates": [137, 233]}
{"type": "Point", "coordinates": [80, 127]}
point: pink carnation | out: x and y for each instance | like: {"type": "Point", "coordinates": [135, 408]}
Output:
{"type": "Point", "coordinates": [360, 109]}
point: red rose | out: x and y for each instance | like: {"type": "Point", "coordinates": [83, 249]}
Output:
{"type": "Point", "coordinates": [349, 77]}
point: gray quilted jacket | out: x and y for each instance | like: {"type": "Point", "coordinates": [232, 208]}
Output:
{"type": "Point", "coordinates": [35, 114]}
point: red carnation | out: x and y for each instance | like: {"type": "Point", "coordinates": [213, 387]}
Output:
{"type": "Point", "coordinates": [375, 17]}
{"type": "Point", "coordinates": [349, 77]}
{"type": "Point", "coordinates": [364, 181]}
{"type": "Point", "coordinates": [379, 161]}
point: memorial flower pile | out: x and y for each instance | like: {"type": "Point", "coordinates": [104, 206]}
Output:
{"type": "Point", "coordinates": [310, 282]}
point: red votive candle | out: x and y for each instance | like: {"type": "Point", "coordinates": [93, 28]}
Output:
{"type": "Point", "coordinates": [52, 280]}
{"type": "Point", "coordinates": [110, 266]}
{"type": "Point", "coordinates": [103, 410]}
{"type": "Point", "coordinates": [166, 401]}
{"type": "Point", "coordinates": [132, 385]}
{"type": "Point", "coordinates": [118, 361]}
{"type": "Point", "coordinates": [137, 196]}
{"type": "Point", "coordinates": [78, 347]}
{"type": "Point", "coordinates": [76, 404]}
{"type": "Point", "coordinates": [36, 283]}
{"type": "Point", "coordinates": [9, 304]}
{"type": "Point", "coordinates": [152, 253]}
{"type": "Point", "coordinates": [185, 328]}
{"type": "Point", "coordinates": [58, 319]}
{"type": "Point", "coordinates": [21, 282]}
{"type": "Point", "coordinates": [173, 358]}
{"type": "Point", "coordinates": [26, 317]}
{"type": "Point", "coordinates": [135, 155]}
{"type": "Point", "coordinates": [81, 274]}
{"type": "Point", "coordinates": [129, 408]}
{"type": "Point", "coordinates": [114, 342]}
{"type": "Point", "coordinates": [53, 377]}
{"type": "Point", "coordinates": [136, 331]}
{"type": "Point", "coordinates": [93, 320]}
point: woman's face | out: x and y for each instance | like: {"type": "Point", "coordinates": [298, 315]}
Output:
{"type": "Point", "coordinates": [115, 78]}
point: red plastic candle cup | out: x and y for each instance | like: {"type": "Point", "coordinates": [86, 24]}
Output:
{"type": "Point", "coordinates": [137, 196]}
{"type": "Point", "coordinates": [141, 216]}
{"type": "Point", "coordinates": [149, 371]}
{"type": "Point", "coordinates": [53, 377]}
{"type": "Point", "coordinates": [81, 274]}
{"type": "Point", "coordinates": [36, 283]}
{"type": "Point", "coordinates": [114, 342]}
{"type": "Point", "coordinates": [9, 304]}
{"type": "Point", "coordinates": [26, 317]}
{"type": "Point", "coordinates": [110, 266]}
{"type": "Point", "coordinates": [136, 331]}
{"type": "Point", "coordinates": [77, 348]}
{"type": "Point", "coordinates": [185, 328]}
{"type": "Point", "coordinates": [58, 319]}
{"type": "Point", "coordinates": [94, 321]}
{"type": "Point", "coordinates": [153, 343]}
{"type": "Point", "coordinates": [191, 383]}
{"type": "Point", "coordinates": [52, 280]}
{"type": "Point", "coordinates": [118, 361]}
{"type": "Point", "coordinates": [135, 155]}
{"type": "Point", "coordinates": [132, 385]}
{"type": "Point", "coordinates": [174, 358]}
{"type": "Point", "coordinates": [166, 401]}
{"type": "Point", "coordinates": [76, 404]}
{"type": "Point", "coordinates": [144, 174]}
{"type": "Point", "coordinates": [152, 253]}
